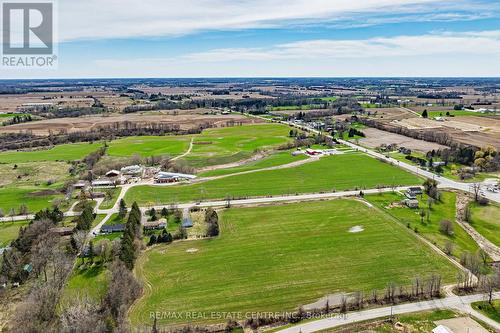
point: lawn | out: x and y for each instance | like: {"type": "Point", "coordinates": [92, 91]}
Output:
{"type": "Point", "coordinates": [66, 152]}
{"type": "Point", "coordinates": [429, 228]}
{"type": "Point", "coordinates": [147, 146]}
{"type": "Point", "coordinates": [110, 201]}
{"type": "Point", "coordinates": [230, 144]}
{"type": "Point", "coordinates": [9, 231]}
{"type": "Point", "coordinates": [115, 219]}
{"type": "Point", "coordinates": [490, 310]}
{"type": "Point", "coordinates": [486, 221]}
{"type": "Point", "coordinates": [86, 282]}
{"type": "Point", "coordinates": [276, 258]}
{"type": "Point", "coordinates": [340, 172]}
{"type": "Point", "coordinates": [279, 158]}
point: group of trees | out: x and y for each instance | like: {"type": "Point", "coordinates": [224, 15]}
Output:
{"type": "Point", "coordinates": [37, 252]}
{"type": "Point", "coordinates": [131, 240]}
{"type": "Point", "coordinates": [212, 221]}
{"type": "Point", "coordinates": [25, 140]}
{"type": "Point", "coordinates": [18, 119]}
{"type": "Point", "coordinates": [86, 218]}
{"type": "Point", "coordinates": [431, 189]}
{"type": "Point", "coordinates": [421, 288]}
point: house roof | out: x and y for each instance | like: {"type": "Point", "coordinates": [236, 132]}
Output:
{"type": "Point", "coordinates": [113, 228]}
{"type": "Point", "coordinates": [167, 175]}
{"type": "Point", "coordinates": [113, 172]}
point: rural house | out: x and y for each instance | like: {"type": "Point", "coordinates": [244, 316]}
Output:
{"type": "Point", "coordinates": [108, 229]}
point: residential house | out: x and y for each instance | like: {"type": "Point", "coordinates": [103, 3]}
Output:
{"type": "Point", "coordinates": [108, 229]}
{"type": "Point", "coordinates": [155, 225]}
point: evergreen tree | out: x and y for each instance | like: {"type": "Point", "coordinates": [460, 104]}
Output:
{"type": "Point", "coordinates": [164, 212]}
{"type": "Point", "coordinates": [123, 209]}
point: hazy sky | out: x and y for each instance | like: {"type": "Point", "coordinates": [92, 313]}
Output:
{"type": "Point", "coordinates": [248, 38]}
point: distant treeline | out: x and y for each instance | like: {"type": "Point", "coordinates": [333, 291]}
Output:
{"type": "Point", "coordinates": [24, 140]}
{"type": "Point", "coordinates": [427, 135]}
{"type": "Point", "coordinates": [68, 112]}
{"type": "Point", "coordinates": [251, 105]}
{"type": "Point", "coordinates": [18, 119]}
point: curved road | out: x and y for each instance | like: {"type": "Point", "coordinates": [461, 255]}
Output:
{"type": "Point", "coordinates": [460, 303]}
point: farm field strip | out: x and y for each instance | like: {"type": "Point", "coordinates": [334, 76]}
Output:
{"type": "Point", "coordinates": [340, 172]}
{"type": "Point", "coordinates": [294, 254]}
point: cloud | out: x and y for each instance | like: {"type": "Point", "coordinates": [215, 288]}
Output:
{"type": "Point", "coordinates": [97, 19]}
{"type": "Point", "coordinates": [483, 42]}
{"type": "Point", "coordinates": [439, 54]}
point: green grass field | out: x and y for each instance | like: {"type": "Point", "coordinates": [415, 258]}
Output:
{"type": "Point", "coordinates": [276, 258]}
{"type": "Point", "coordinates": [485, 219]}
{"type": "Point", "coordinates": [429, 229]}
{"type": "Point", "coordinates": [456, 113]}
{"type": "Point", "coordinates": [340, 172]}
{"type": "Point", "coordinates": [66, 152]}
{"type": "Point", "coordinates": [490, 310]}
{"type": "Point", "coordinates": [13, 197]}
{"type": "Point", "coordinates": [294, 107]}
{"type": "Point", "coordinates": [329, 99]}
{"type": "Point", "coordinates": [9, 231]}
{"type": "Point", "coordinates": [86, 281]}
{"type": "Point", "coordinates": [230, 144]}
{"type": "Point", "coordinates": [279, 158]}
{"type": "Point", "coordinates": [149, 146]}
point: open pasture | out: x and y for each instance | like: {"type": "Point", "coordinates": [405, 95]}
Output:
{"type": "Point", "coordinates": [147, 146]}
{"type": "Point", "coordinates": [33, 197]}
{"type": "Point", "coordinates": [276, 258]}
{"type": "Point", "coordinates": [9, 231]}
{"type": "Point", "coordinates": [66, 152]}
{"type": "Point", "coordinates": [429, 225]}
{"type": "Point", "coordinates": [230, 144]}
{"type": "Point", "coordinates": [279, 158]}
{"type": "Point", "coordinates": [340, 172]}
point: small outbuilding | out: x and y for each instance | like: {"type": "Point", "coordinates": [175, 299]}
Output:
{"type": "Point", "coordinates": [112, 173]}
{"type": "Point", "coordinates": [187, 223]}
{"type": "Point", "coordinates": [442, 329]}
{"type": "Point", "coordinates": [411, 203]}
{"type": "Point", "coordinates": [103, 183]}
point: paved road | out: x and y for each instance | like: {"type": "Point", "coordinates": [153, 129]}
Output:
{"type": "Point", "coordinates": [263, 200]}
{"type": "Point", "coordinates": [442, 181]}
{"type": "Point", "coordinates": [461, 303]}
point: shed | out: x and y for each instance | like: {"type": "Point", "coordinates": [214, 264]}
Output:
{"type": "Point", "coordinates": [187, 223]}
{"type": "Point", "coordinates": [442, 329]}
{"type": "Point", "coordinates": [112, 173]}
{"type": "Point", "coordinates": [411, 203]}
{"type": "Point", "coordinates": [62, 231]}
